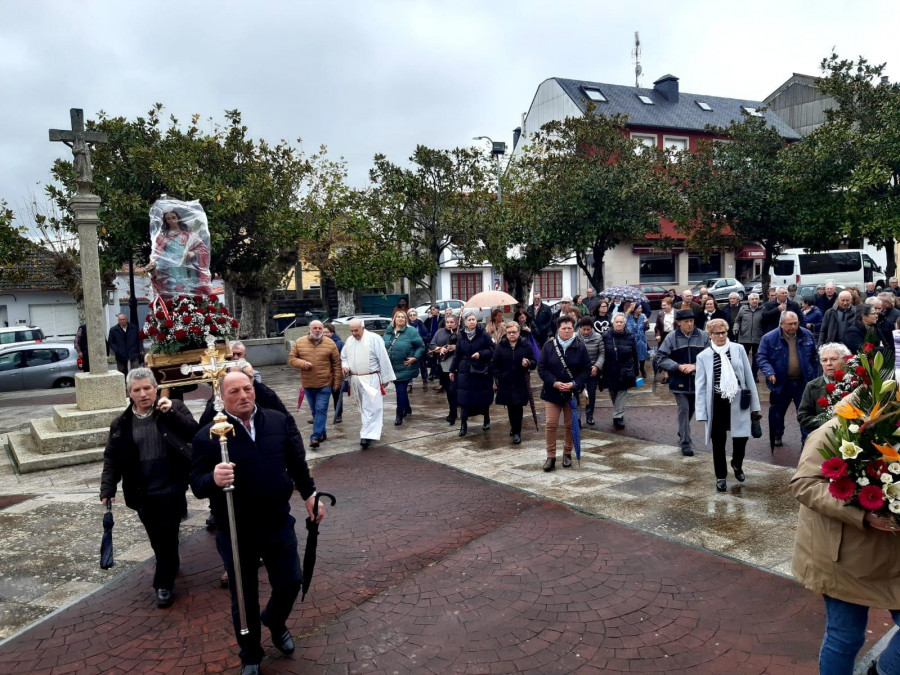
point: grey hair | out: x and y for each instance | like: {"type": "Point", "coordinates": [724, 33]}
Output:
{"type": "Point", "coordinates": [734, 295]}
{"type": "Point", "coordinates": [872, 300]}
{"type": "Point", "coordinates": [237, 343]}
{"type": "Point", "coordinates": [839, 348]}
{"type": "Point", "coordinates": [753, 295]}
{"type": "Point", "coordinates": [469, 311]}
{"type": "Point", "coordinates": [357, 322]}
{"type": "Point", "coordinates": [618, 314]}
{"type": "Point", "coordinates": [781, 288]}
{"type": "Point", "coordinates": [713, 323]}
{"type": "Point", "coordinates": [787, 314]}
{"type": "Point", "coordinates": [866, 308]}
{"type": "Point", "coordinates": [140, 374]}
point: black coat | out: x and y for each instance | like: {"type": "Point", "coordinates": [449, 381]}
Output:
{"type": "Point", "coordinates": [265, 473]}
{"type": "Point", "coordinates": [126, 345]}
{"type": "Point", "coordinates": [513, 379]}
{"type": "Point", "coordinates": [265, 398]}
{"type": "Point", "coordinates": [701, 321]}
{"type": "Point", "coordinates": [856, 333]}
{"type": "Point", "coordinates": [121, 459]}
{"type": "Point", "coordinates": [771, 316]}
{"type": "Point", "coordinates": [474, 383]}
{"type": "Point", "coordinates": [552, 370]}
{"type": "Point", "coordinates": [541, 322]}
{"type": "Point", "coordinates": [620, 368]}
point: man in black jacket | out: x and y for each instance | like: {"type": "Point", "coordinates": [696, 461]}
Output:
{"type": "Point", "coordinates": [267, 461]}
{"type": "Point", "coordinates": [124, 341]}
{"type": "Point", "coordinates": [772, 310]}
{"type": "Point", "coordinates": [149, 450]}
{"type": "Point", "coordinates": [541, 319]}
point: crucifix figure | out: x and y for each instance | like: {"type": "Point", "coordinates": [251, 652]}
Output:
{"type": "Point", "coordinates": [79, 140]}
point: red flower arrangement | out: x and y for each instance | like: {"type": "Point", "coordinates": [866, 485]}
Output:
{"type": "Point", "coordinates": [188, 326]}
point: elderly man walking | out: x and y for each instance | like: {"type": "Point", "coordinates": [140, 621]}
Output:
{"type": "Point", "coordinates": [319, 363]}
{"type": "Point", "coordinates": [365, 361]}
{"type": "Point", "coordinates": [788, 360]}
{"type": "Point", "coordinates": [678, 356]}
{"type": "Point", "coordinates": [773, 309]}
{"type": "Point", "coordinates": [149, 450]}
{"type": "Point", "coordinates": [837, 319]}
{"type": "Point", "coordinates": [124, 341]}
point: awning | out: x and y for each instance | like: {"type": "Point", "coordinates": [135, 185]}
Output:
{"type": "Point", "coordinates": [750, 252]}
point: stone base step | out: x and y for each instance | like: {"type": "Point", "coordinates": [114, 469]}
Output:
{"type": "Point", "coordinates": [68, 417]}
{"type": "Point", "coordinates": [48, 439]}
{"type": "Point", "coordinates": [24, 453]}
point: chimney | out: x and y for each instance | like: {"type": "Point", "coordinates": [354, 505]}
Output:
{"type": "Point", "coordinates": [667, 86]}
{"type": "Point", "coordinates": [517, 133]}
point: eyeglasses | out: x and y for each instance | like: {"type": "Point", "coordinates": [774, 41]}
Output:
{"type": "Point", "coordinates": [719, 333]}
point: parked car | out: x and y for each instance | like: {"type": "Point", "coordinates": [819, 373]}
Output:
{"type": "Point", "coordinates": [17, 334]}
{"type": "Point", "coordinates": [370, 321]}
{"type": "Point", "coordinates": [456, 305]}
{"type": "Point", "coordinates": [38, 366]}
{"type": "Point", "coordinates": [653, 293]}
{"type": "Point", "coordinates": [721, 287]}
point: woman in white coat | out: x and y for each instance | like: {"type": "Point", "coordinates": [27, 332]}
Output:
{"type": "Point", "coordinates": [719, 383]}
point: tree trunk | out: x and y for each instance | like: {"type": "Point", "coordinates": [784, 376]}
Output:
{"type": "Point", "coordinates": [254, 313]}
{"type": "Point", "coordinates": [595, 274]}
{"type": "Point", "coordinates": [346, 303]}
{"type": "Point", "coordinates": [518, 285]}
{"type": "Point", "coordinates": [890, 267]}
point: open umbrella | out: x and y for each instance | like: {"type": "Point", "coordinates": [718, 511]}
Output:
{"type": "Point", "coordinates": [312, 538]}
{"type": "Point", "coordinates": [576, 428]}
{"type": "Point", "coordinates": [491, 299]}
{"type": "Point", "coordinates": [624, 292]}
{"type": "Point", "coordinates": [106, 544]}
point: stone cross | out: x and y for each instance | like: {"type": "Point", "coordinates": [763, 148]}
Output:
{"type": "Point", "coordinates": [78, 139]}
{"type": "Point", "coordinates": [93, 391]}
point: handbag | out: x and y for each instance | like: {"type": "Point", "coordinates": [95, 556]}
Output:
{"type": "Point", "coordinates": [745, 399]}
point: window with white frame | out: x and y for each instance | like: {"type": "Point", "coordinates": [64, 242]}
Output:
{"type": "Point", "coordinates": [595, 94]}
{"type": "Point", "coordinates": [753, 112]}
{"type": "Point", "coordinates": [678, 144]}
{"type": "Point", "coordinates": [645, 140]}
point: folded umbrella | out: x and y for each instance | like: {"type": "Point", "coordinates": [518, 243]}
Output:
{"type": "Point", "coordinates": [576, 427]}
{"type": "Point", "coordinates": [312, 537]}
{"type": "Point", "coordinates": [537, 427]}
{"type": "Point", "coordinates": [106, 544]}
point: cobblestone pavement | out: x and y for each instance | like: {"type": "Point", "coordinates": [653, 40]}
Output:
{"type": "Point", "coordinates": [426, 569]}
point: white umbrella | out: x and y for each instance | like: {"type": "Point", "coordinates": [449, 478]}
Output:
{"type": "Point", "coordinates": [491, 299]}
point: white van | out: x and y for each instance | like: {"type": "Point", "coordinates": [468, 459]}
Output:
{"type": "Point", "coordinates": [846, 267]}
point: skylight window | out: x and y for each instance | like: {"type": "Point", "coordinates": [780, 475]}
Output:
{"type": "Point", "coordinates": [595, 95]}
{"type": "Point", "coordinates": [753, 112]}
{"type": "Point", "coordinates": [703, 106]}
{"type": "Point", "coordinates": [646, 100]}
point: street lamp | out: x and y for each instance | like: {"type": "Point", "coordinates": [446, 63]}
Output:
{"type": "Point", "coordinates": [497, 150]}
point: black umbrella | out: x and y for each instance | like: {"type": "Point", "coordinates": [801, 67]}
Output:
{"type": "Point", "coordinates": [531, 403]}
{"type": "Point", "coordinates": [106, 546]}
{"type": "Point", "coordinates": [312, 537]}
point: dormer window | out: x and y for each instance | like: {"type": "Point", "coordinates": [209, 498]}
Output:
{"type": "Point", "coordinates": [595, 95]}
{"type": "Point", "coordinates": [753, 112]}
{"type": "Point", "coordinates": [705, 107]}
{"type": "Point", "coordinates": [646, 100]}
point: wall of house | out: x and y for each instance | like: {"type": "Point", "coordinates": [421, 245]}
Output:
{"type": "Point", "coordinates": [550, 103]}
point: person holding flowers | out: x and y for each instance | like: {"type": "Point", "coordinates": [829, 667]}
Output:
{"type": "Point", "coordinates": [847, 548]}
{"type": "Point", "coordinates": [833, 359]}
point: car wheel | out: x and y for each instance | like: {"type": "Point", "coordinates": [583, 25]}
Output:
{"type": "Point", "coordinates": [741, 295]}
{"type": "Point", "coordinates": [64, 383]}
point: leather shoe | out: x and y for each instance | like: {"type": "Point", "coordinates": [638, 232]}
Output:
{"type": "Point", "coordinates": [720, 485]}
{"type": "Point", "coordinates": [567, 461]}
{"type": "Point", "coordinates": [687, 451]}
{"type": "Point", "coordinates": [463, 428]}
{"type": "Point", "coordinates": [486, 426]}
{"type": "Point", "coordinates": [364, 442]}
{"type": "Point", "coordinates": [314, 442]}
{"type": "Point", "coordinates": [211, 522]}
{"type": "Point", "coordinates": [550, 464]}
{"type": "Point", "coordinates": [250, 669]}
{"type": "Point", "coordinates": [590, 421]}
{"type": "Point", "coordinates": [778, 442]}
{"type": "Point", "coordinates": [164, 598]}
{"type": "Point", "coordinates": [516, 439]}
{"type": "Point", "coordinates": [618, 423]}
{"type": "Point", "coordinates": [338, 419]}
{"type": "Point", "coordinates": [738, 473]}
{"type": "Point", "coordinates": [450, 419]}
{"type": "Point", "coordinates": [284, 643]}
{"type": "Point", "coordinates": [324, 436]}
{"type": "Point", "coordinates": [398, 420]}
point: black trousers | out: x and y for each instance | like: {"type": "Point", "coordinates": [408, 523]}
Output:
{"type": "Point", "coordinates": [161, 517]}
{"type": "Point", "coordinates": [721, 424]}
{"type": "Point", "coordinates": [514, 412]}
{"type": "Point", "coordinates": [449, 390]}
{"type": "Point", "coordinates": [591, 390]}
{"type": "Point", "coordinates": [278, 551]}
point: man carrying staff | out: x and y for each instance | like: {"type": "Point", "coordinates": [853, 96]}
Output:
{"type": "Point", "coordinates": [149, 449]}
{"type": "Point", "coordinates": [365, 361]}
{"type": "Point", "coordinates": [267, 461]}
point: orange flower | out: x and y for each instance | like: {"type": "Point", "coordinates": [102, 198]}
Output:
{"type": "Point", "coordinates": [888, 453]}
{"type": "Point", "coordinates": [848, 411]}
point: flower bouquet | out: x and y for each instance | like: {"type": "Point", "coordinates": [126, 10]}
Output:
{"type": "Point", "coordinates": [185, 322]}
{"type": "Point", "coordinates": [861, 458]}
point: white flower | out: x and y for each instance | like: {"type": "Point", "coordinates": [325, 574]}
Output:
{"type": "Point", "coordinates": [853, 428]}
{"type": "Point", "coordinates": [894, 507]}
{"type": "Point", "coordinates": [887, 478]}
{"type": "Point", "coordinates": [892, 491]}
{"type": "Point", "coordinates": [894, 467]}
{"type": "Point", "coordinates": [850, 450]}
{"type": "Point", "coordinates": [862, 481]}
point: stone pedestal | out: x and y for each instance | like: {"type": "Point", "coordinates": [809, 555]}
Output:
{"type": "Point", "coordinates": [101, 391]}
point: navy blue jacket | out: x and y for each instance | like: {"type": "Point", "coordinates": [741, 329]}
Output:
{"type": "Point", "coordinates": [680, 349]}
{"type": "Point", "coordinates": [772, 357]}
{"type": "Point", "coordinates": [126, 345]}
{"type": "Point", "coordinates": [551, 369]}
{"type": "Point", "coordinates": [814, 317]}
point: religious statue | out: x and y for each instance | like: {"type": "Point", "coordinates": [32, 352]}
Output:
{"type": "Point", "coordinates": [179, 259]}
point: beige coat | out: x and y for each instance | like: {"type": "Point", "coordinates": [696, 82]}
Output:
{"type": "Point", "coordinates": [325, 359]}
{"type": "Point", "coordinates": [835, 553]}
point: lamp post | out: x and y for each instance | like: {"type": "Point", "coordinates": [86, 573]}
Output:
{"type": "Point", "coordinates": [497, 150]}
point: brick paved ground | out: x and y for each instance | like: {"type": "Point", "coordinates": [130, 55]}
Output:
{"type": "Point", "coordinates": [425, 569]}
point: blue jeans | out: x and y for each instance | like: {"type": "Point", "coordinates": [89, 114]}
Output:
{"type": "Point", "coordinates": [845, 633]}
{"type": "Point", "coordinates": [402, 397]}
{"type": "Point", "coordinates": [780, 401]}
{"type": "Point", "coordinates": [318, 398]}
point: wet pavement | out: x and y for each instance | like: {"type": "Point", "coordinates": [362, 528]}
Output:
{"type": "Point", "coordinates": [444, 554]}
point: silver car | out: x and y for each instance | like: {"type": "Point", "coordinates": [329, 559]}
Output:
{"type": "Point", "coordinates": [721, 287]}
{"type": "Point", "coordinates": [38, 366]}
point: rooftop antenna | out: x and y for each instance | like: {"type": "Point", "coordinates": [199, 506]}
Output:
{"type": "Point", "coordinates": [636, 54]}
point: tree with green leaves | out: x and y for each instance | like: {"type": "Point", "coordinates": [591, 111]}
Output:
{"type": "Point", "coordinates": [596, 187]}
{"type": "Point", "coordinates": [12, 241]}
{"type": "Point", "coordinates": [418, 213]}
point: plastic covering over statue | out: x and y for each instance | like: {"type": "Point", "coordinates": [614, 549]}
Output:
{"type": "Point", "coordinates": [179, 259]}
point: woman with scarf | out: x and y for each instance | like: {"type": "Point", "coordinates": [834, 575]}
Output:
{"type": "Point", "coordinates": [511, 365]}
{"type": "Point", "coordinates": [416, 322]}
{"type": "Point", "coordinates": [723, 375]}
{"type": "Point", "coordinates": [636, 323]}
{"type": "Point", "coordinates": [471, 371]}
{"type": "Point", "coordinates": [405, 348]}
{"type": "Point", "coordinates": [620, 367]}
{"type": "Point", "coordinates": [564, 369]}
{"type": "Point", "coordinates": [520, 316]}
{"type": "Point", "coordinates": [443, 348]}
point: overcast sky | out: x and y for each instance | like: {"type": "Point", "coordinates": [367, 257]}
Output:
{"type": "Point", "coordinates": [364, 77]}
